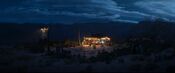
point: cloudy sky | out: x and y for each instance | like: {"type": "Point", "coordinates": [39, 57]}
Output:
{"type": "Point", "coordinates": [73, 11]}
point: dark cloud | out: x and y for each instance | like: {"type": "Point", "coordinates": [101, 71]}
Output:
{"type": "Point", "coordinates": [159, 8]}
{"type": "Point", "coordinates": [70, 11]}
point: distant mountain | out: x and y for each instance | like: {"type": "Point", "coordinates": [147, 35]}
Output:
{"type": "Point", "coordinates": [161, 29]}
{"type": "Point", "coordinates": [13, 32]}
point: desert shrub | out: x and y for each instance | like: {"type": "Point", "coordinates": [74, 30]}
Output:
{"type": "Point", "coordinates": [89, 68]}
{"type": "Point", "coordinates": [93, 59]}
{"type": "Point", "coordinates": [23, 68]}
{"type": "Point", "coordinates": [120, 60]}
{"type": "Point", "coordinates": [135, 68]}
{"type": "Point", "coordinates": [171, 68]}
{"type": "Point", "coordinates": [150, 66]}
{"type": "Point", "coordinates": [68, 61]}
{"type": "Point", "coordinates": [138, 58]}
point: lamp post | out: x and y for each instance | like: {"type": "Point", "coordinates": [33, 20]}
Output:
{"type": "Point", "coordinates": [44, 33]}
{"type": "Point", "coordinates": [44, 37]}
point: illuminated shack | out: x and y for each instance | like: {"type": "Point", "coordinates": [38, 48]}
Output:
{"type": "Point", "coordinates": [96, 41]}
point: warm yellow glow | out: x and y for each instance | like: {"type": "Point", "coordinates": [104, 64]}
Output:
{"type": "Point", "coordinates": [95, 41]}
{"type": "Point", "coordinates": [106, 38]}
{"type": "Point", "coordinates": [86, 45]}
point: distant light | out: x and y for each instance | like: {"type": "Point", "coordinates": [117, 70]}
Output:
{"type": "Point", "coordinates": [102, 42]}
{"type": "Point", "coordinates": [106, 38]}
{"type": "Point", "coordinates": [89, 41]}
{"type": "Point", "coordinates": [44, 30]}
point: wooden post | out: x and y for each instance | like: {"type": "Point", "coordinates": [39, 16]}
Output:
{"type": "Point", "coordinates": [79, 38]}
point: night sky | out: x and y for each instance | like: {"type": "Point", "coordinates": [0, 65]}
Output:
{"type": "Point", "coordinates": [73, 11]}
